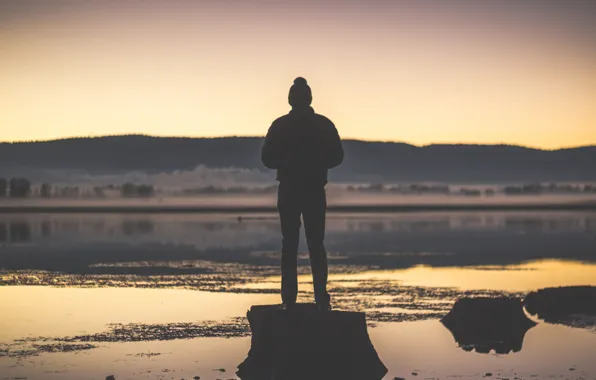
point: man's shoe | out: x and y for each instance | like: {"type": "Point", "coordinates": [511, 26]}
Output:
{"type": "Point", "coordinates": [324, 307]}
{"type": "Point", "coordinates": [286, 306]}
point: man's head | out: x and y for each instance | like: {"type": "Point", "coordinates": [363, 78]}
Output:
{"type": "Point", "coordinates": [300, 95]}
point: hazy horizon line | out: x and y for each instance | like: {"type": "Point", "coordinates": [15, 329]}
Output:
{"type": "Point", "coordinates": [80, 137]}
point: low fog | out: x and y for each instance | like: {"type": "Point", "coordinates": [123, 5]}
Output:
{"type": "Point", "coordinates": [201, 176]}
{"type": "Point", "coordinates": [250, 187]}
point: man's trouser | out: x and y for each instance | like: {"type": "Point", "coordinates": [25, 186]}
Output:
{"type": "Point", "coordinates": [310, 203]}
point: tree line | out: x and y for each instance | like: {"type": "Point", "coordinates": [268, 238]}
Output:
{"type": "Point", "coordinates": [23, 188]}
{"type": "Point", "coordinates": [15, 187]}
{"type": "Point", "coordinates": [365, 161]}
{"type": "Point", "coordinates": [524, 189]}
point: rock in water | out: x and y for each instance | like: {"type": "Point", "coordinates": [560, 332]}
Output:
{"type": "Point", "coordinates": [302, 343]}
{"type": "Point", "coordinates": [111, 377]}
{"type": "Point", "coordinates": [485, 324]}
{"type": "Point", "coordinates": [553, 303]}
{"type": "Point", "coordinates": [570, 305]}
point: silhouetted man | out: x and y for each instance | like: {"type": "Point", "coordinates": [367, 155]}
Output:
{"type": "Point", "coordinates": [302, 146]}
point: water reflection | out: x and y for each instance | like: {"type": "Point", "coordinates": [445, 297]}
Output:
{"type": "Point", "coordinates": [425, 347]}
{"type": "Point", "coordinates": [487, 324]}
{"type": "Point", "coordinates": [20, 231]}
{"type": "Point", "coordinates": [134, 227]}
{"type": "Point", "coordinates": [382, 241]}
{"type": "Point", "coordinates": [46, 229]}
{"type": "Point", "coordinates": [3, 233]}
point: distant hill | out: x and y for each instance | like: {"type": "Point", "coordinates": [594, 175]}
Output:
{"type": "Point", "coordinates": [365, 161]}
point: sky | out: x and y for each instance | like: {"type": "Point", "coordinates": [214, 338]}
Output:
{"type": "Point", "coordinates": [421, 72]}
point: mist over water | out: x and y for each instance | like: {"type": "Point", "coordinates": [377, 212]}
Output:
{"type": "Point", "coordinates": [237, 187]}
{"type": "Point", "coordinates": [177, 179]}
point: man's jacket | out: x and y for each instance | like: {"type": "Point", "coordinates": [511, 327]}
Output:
{"type": "Point", "coordinates": [302, 146]}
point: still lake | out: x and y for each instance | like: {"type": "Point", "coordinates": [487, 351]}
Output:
{"type": "Point", "coordinates": [71, 281]}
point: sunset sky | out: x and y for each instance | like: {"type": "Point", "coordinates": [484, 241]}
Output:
{"type": "Point", "coordinates": [422, 72]}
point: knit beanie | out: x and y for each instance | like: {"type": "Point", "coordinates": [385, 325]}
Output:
{"type": "Point", "coordinates": [300, 94]}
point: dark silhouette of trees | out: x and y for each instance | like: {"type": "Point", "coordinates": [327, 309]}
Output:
{"type": "Point", "coordinates": [364, 161]}
{"type": "Point", "coordinates": [68, 192]}
{"type": "Point", "coordinates": [20, 188]}
{"type": "Point", "coordinates": [129, 190]}
{"type": "Point", "coordinates": [415, 189]}
{"type": "Point", "coordinates": [145, 191]}
{"type": "Point", "coordinates": [46, 190]}
{"type": "Point", "coordinates": [99, 192]}
{"type": "Point", "coordinates": [470, 192]}
{"type": "Point", "coordinates": [552, 188]}
{"type": "Point", "coordinates": [210, 189]}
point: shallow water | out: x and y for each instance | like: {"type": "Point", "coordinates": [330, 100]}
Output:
{"type": "Point", "coordinates": [404, 270]}
{"type": "Point", "coordinates": [425, 347]}
{"type": "Point", "coordinates": [381, 241]}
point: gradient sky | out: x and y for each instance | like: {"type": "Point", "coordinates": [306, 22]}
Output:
{"type": "Point", "coordinates": [425, 71]}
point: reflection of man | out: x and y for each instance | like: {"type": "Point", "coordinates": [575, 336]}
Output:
{"type": "Point", "coordinates": [302, 146]}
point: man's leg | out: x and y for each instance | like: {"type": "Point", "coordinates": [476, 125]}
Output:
{"type": "Point", "coordinates": [314, 211]}
{"type": "Point", "coordinates": [288, 206]}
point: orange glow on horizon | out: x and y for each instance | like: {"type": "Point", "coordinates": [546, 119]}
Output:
{"type": "Point", "coordinates": [399, 73]}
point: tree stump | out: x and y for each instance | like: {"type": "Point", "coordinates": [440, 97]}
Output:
{"type": "Point", "coordinates": [486, 324]}
{"type": "Point", "coordinates": [302, 343]}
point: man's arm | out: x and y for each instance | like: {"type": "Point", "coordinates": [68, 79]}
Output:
{"type": "Point", "coordinates": [270, 153]}
{"type": "Point", "coordinates": [335, 151]}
